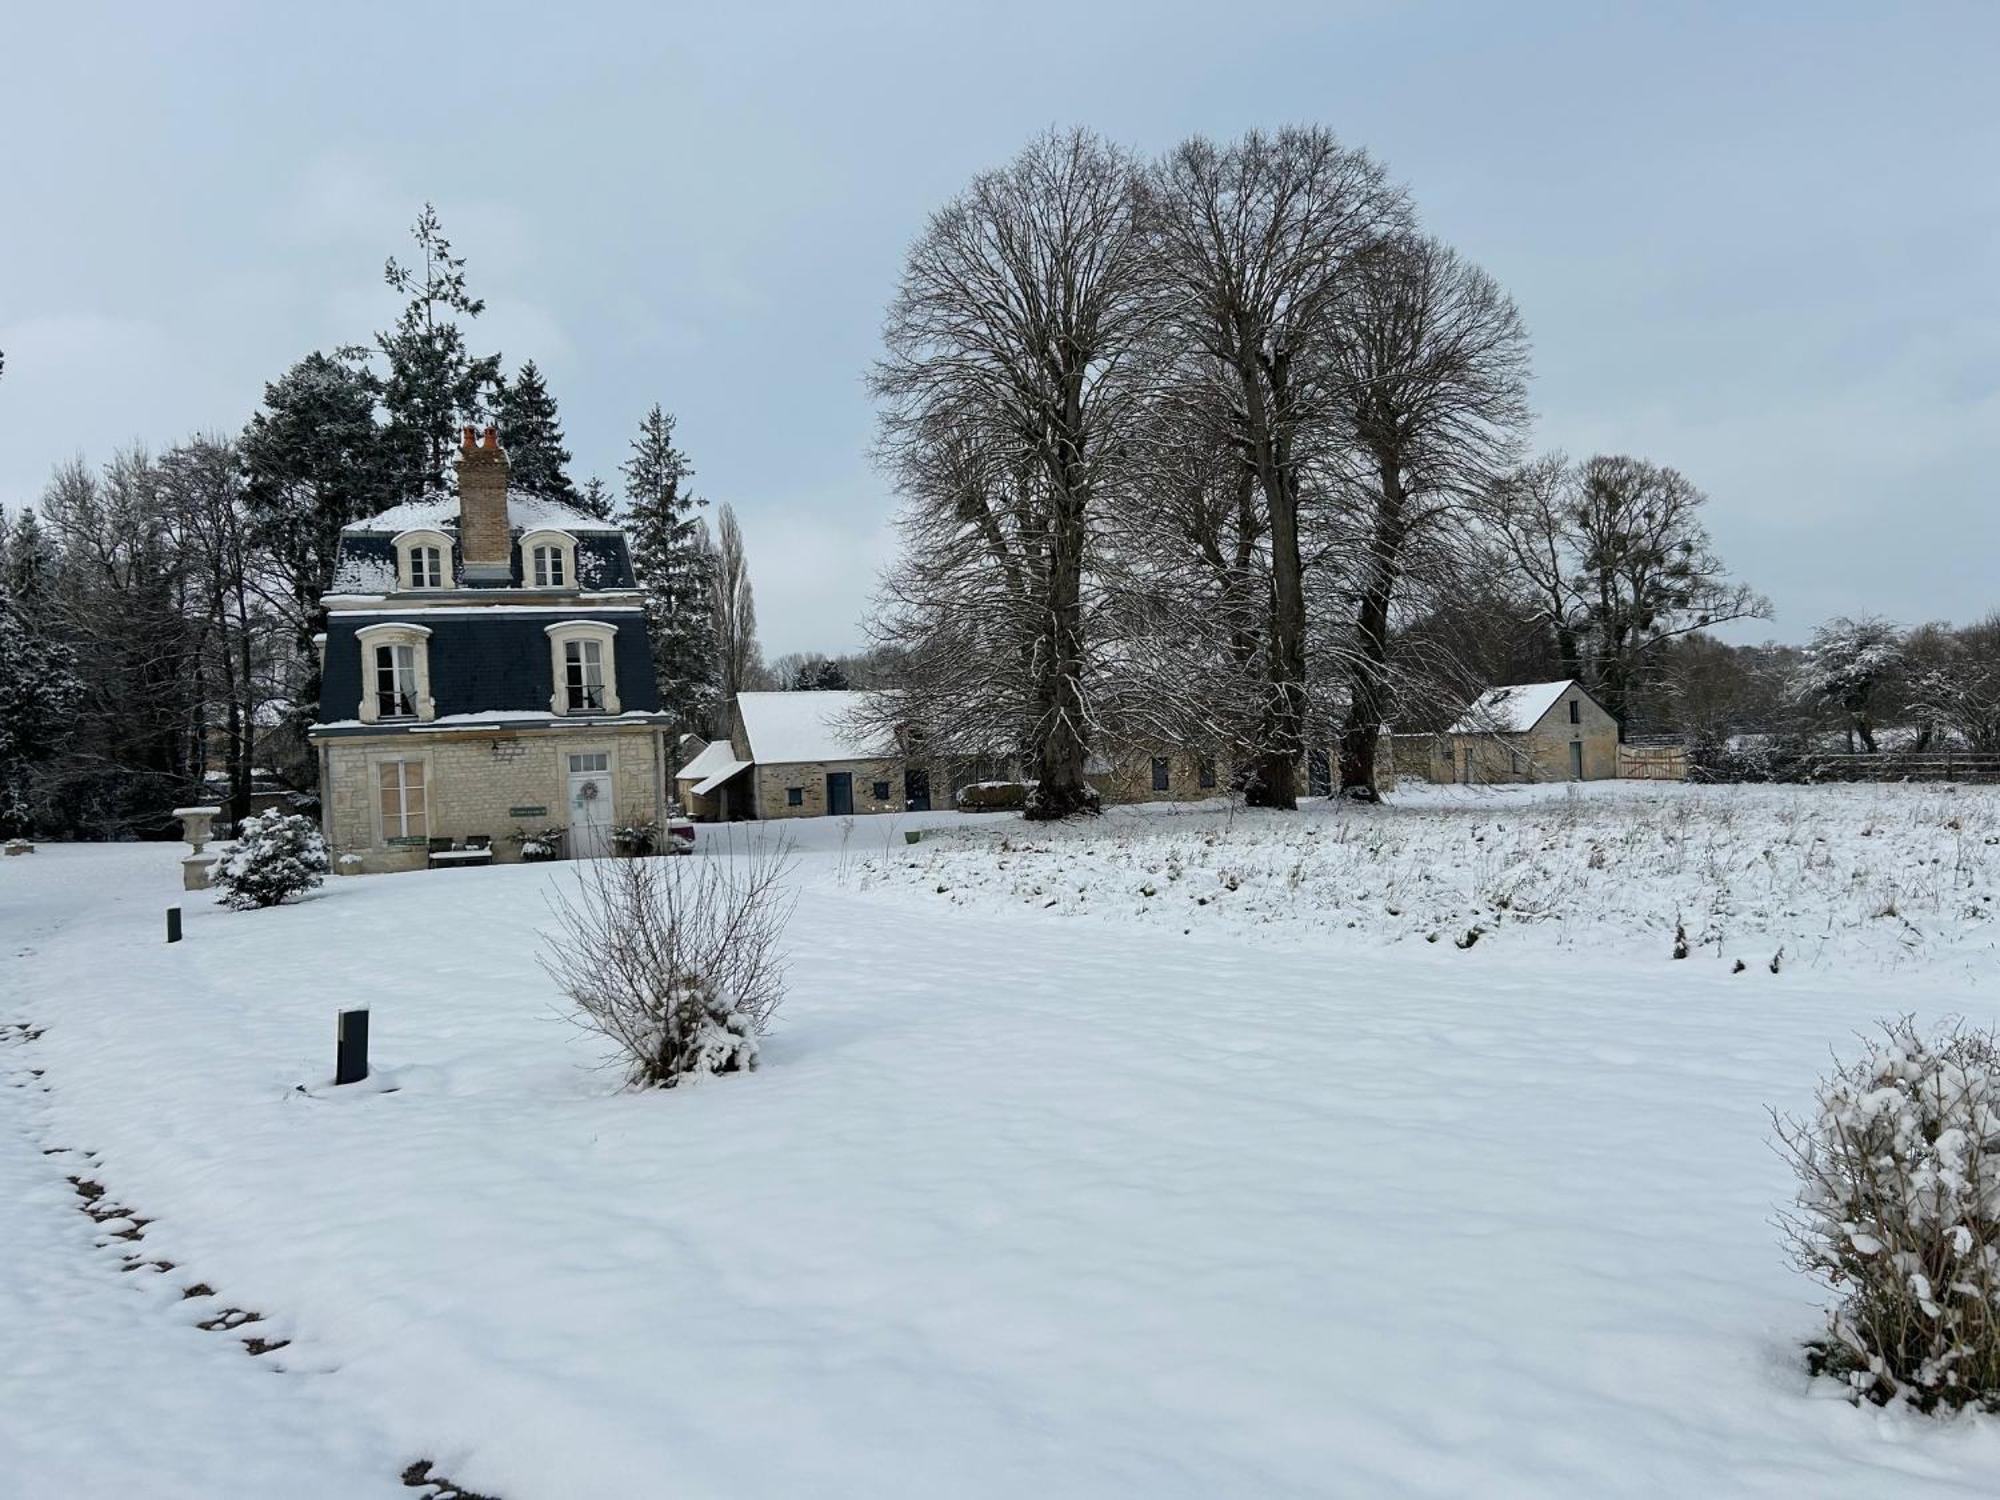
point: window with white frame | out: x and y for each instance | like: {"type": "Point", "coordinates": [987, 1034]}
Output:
{"type": "Point", "coordinates": [422, 558]}
{"type": "Point", "coordinates": [404, 799]}
{"type": "Point", "coordinates": [548, 559]}
{"type": "Point", "coordinates": [547, 567]}
{"type": "Point", "coordinates": [584, 668]}
{"type": "Point", "coordinates": [395, 681]}
{"type": "Point", "coordinates": [426, 568]}
{"type": "Point", "coordinates": [395, 672]}
{"type": "Point", "coordinates": [583, 676]}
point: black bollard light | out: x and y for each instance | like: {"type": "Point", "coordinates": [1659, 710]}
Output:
{"type": "Point", "coordinates": [173, 924]}
{"type": "Point", "coordinates": [351, 1047]}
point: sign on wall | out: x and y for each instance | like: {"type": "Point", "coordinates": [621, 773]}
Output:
{"type": "Point", "coordinates": [527, 812]}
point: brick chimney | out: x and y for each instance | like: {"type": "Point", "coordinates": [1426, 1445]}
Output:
{"type": "Point", "coordinates": [485, 542]}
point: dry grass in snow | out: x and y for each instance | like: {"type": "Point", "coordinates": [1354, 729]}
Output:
{"type": "Point", "coordinates": [1850, 874]}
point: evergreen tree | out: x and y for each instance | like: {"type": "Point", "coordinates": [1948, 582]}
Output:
{"type": "Point", "coordinates": [38, 693]}
{"type": "Point", "coordinates": [30, 567]}
{"type": "Point", "coordinates": [595, 499]}
{"type": "Point", "coordinates": [669, 555]}
{"type": "Point", "coordinates": [537, 461]}
{"type": "Point", "coordinates": [433, 384]}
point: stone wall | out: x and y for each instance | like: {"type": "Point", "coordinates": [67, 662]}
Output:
{"type": "Point", "coordinates": [473, 784]}
{"type": "Point", "coordinates": [1542, 754]}
{"type": "Point", "coordinates": [774, 783]}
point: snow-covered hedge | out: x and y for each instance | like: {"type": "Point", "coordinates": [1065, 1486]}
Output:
{"type": "Point", "coordinates": [1899, 1211]}
{"type": "Point", "coordinates": [277, 856]}
{"type": "Point", "coordinates": [993, 796]}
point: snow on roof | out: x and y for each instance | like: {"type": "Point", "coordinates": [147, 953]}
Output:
{"type": "Point", "coordinates": [1511, 710]}
{"type": "Point", "coordinates": [788, 727]}
{"type": "Point", "coordinates": [707, 762]}
{"type": "Point", "coordinates": [722, 774]}
{"type": "Point", "coordinates": [440, 508]}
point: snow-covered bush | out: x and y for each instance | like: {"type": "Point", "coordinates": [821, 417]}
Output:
{"type": "Point", "coordinates": [993, 796]}
{"type": "Point", "coordinates": [277, 856]}
{"type": "Point", "coordinates": [1899, 1211]}
{"type": "Point", "coordinates": [676, 961]}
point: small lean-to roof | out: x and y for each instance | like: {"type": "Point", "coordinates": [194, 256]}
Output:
{"type": "Point", "coordinates": [707, 761]}
{"type": "Point", "coordinates": [708, 784]}
{"type": "Point", "coordinates": [1511, 710]}
{"type": "Point", "coordinates": [785, 728]}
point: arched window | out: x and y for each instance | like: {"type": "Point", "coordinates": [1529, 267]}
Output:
{"type": "Point", "coordinates": [395, 673]}
{"type": "Point", "coordinates": [548, 560]}
{"type": "Point", "coordinates": [423, 560]}
{"type": "Point", "coordinates": [584, 668]}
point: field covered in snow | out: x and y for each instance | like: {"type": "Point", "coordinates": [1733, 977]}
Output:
{"type": "Point", "coordinates": [1050, 1184]}
{"type": "Point", "coordinates": [1838, 876]}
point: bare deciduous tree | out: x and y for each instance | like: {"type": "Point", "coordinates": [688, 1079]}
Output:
{"type": "Point", "coordinates": [1431, 365]}
{"type": "Point", "coordinates": [740, 661]}
{"type": "Point", "coordinates": [676, 961]}
{"type": "Point", "coordinates": [1007, 393]}
{"type": "Point", "coordinates": [1257, 243]}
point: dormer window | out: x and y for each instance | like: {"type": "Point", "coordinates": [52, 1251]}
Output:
{"type": "Point", "coordinates": [395, 673]}
{"type": "Point", "coordinates": [584, 668]}
{"type": "Point", "coordinates": [422, 558]}
{"type": "Point", "coordinates": [548, 559]}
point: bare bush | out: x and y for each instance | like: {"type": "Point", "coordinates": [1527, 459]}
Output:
{"type": "Point", "coordinates": [1899, 1210]}
{"type": "Point", "coordinates": [676, 961]}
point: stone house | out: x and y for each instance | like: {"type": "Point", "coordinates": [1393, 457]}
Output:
{"type": "Point", "coordinates": [1534, 731]}
{"type": "Point", "coordinates": [798, 755]}
{"type": "Point", "coordinates": [485, 675]}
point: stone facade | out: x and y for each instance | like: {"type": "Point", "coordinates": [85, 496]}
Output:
{"type": "Point", "coordinates": [474, 781]}
{"type": "Point", "coordinates": [1543, 753]}
{"type": "Point", "coordinates": [775, 784]}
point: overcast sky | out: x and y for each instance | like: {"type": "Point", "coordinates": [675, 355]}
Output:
{"type": "Point", "coordinates": [1760, 242]}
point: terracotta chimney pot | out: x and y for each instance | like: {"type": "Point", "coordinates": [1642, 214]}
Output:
{"type": "Point", "coordinates": [471, 437]}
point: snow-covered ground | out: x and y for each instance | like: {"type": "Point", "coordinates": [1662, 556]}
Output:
{"type": "Point", "coordinates": [1125, 1195]}
{"type": "Point", "coordinates": [1867, 877]}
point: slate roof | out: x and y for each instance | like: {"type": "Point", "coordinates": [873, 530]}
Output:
{"type": "Point", "coordinates": [491, 659]}
{"type": "Point", "coordinates": [367, 562]}
{"type": "Point", "coordinates": [1511, 710]}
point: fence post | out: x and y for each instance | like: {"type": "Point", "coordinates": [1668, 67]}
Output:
{"type": "Point", "coordinates": [173, 924]}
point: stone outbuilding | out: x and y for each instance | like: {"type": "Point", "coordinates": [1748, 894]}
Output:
{"type": "Point", "coordinates": [486, 680]}
{"type": "Point", "coordinates": [1532, 731]}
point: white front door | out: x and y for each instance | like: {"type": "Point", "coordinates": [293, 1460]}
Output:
{"type": "Point", "coordinates": [590, 805]}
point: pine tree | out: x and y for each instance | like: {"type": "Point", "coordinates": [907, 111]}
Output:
{"type": "Point", "coordinates": [530, 431]}
{"type": "Point", "coordinates": [30, 567]}
{"type": "Point", "coordinates": [595, 499]}
{"type": "Point", "coordinates": [669, 555]}
{"type": "Point", "coordinates": [433, 383]}
{"type": "Point", "coordinates": [38, 693]}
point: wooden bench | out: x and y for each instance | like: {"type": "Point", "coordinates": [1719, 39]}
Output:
{"type": "Point", "coordinates": [475, 851]}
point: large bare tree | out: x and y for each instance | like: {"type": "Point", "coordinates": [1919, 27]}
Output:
{"type": "Point", "coordinates": [1615, 552]}
{"type": "Point", "coordinates": [1257, 243]}
{"type": "Point", "coordinates": [1007, 389]}
{"type": "Point", "coordinates": [1430, 370]}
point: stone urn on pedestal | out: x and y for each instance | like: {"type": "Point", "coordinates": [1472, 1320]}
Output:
{"type": "Point", "coordinates": [195, 824]}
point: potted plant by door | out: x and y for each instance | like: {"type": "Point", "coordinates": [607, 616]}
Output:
{"type": "Point", "coordinates": [635, 840]}
{"type": "Point", "coordinates": [539, 845]}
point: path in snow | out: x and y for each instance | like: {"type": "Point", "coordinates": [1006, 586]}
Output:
{"type": "Point", "coordinates": [107, 1389]}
